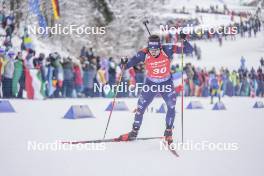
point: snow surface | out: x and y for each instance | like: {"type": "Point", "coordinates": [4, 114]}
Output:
{"type": "Point", "coordinates": [42, 121]}
{"type": "Point", "coordinates": [206, 3]}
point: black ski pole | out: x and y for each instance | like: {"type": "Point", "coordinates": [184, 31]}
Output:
{"type": "Point", "coordinates": [182, 91]}
{"type": "Point", "coordinates": [182, 36]}
{"type": "Point", "coordinates": [145, 23]}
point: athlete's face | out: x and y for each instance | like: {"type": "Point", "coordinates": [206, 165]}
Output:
{"type": "Point", "coordinates": [154, 52]}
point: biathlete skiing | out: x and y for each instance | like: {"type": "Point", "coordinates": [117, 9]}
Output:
{"type": "Point", "coordinates": [156, 58]}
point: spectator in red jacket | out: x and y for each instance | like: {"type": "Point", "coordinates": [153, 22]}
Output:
{"type": "Point", "coordinates": [78, 81]}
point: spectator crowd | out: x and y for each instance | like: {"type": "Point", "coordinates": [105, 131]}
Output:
{"type": "Point", "coordinates": [66, 77]}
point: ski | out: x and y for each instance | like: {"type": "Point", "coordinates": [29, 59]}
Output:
{"type": "Point", "coordinates": [172, 150]}
{"type": "Point", "coordinates": [109, 140]}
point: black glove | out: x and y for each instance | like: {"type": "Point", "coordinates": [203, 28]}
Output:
{"type": "Point", "coordinates": [182, 35]}
{"type": "Point", "coordinates": [124, 60]}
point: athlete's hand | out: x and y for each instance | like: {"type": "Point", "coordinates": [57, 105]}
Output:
{"type": "Point", "coordinates": [179, 88]}
{"type": "Point", "coordinates": [124, 60]}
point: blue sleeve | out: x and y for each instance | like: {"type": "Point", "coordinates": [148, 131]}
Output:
{"type": "Point", "coordinates": [168, 49]}
{"type": "Point", "coordinates": [139, 57]}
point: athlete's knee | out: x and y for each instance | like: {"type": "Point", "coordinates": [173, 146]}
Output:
{"type": "Point", "coordinates": [171, 111]}
{"type": "Point", "coordinates": [141, 106]}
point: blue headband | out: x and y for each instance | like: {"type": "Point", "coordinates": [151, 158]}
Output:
{"type": "Point", "coordinates": [153, 45]}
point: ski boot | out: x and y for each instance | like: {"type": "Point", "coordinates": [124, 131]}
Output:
{"type": "Point", "coordinates": [168, 136]}
{"type": "Point", "coordinates": [131, 136]}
